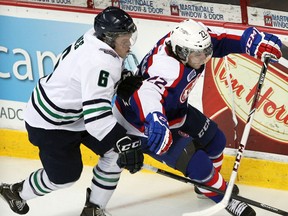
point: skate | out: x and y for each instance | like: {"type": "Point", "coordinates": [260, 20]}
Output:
{"type": "Point", "coordinates": [10, 193]}
{"type": "Point", "coordinates": [238, 208]}
{"type": "Point", "coordinates": [91, 209]}
{"type": "Point", "coordinates": [199, 194]}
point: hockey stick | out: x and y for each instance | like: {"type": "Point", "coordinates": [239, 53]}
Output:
{"type": "Point", "coordinates": [234, 117]}
{"type": "Point", "coordinates": [215, 190]}
{"type": "Point", "coordinates": [225, 201]}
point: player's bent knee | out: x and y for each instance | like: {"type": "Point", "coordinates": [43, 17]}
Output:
{"type": "Point", "coordinates": [217, 144]}
{"type": "Point", "coordinates": [49, 183]}
{"type": "Point", "coordinates": [184, 158]}
{"type": "Point", "coordinates": [200, 166]}
{"type": "Point", "coordinates": [108, 162]}
{"type": "Point", "coordinates": [65, 175]}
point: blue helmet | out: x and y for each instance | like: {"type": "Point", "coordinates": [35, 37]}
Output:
{"type": "Point", "coordinates": [111, 22]}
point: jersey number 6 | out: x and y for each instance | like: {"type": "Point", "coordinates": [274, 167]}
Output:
{"type": "Point", "coordinates": [103, 78]}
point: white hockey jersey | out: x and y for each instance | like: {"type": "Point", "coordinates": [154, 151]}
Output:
{"type": "Point", "coordinates": [77, 95]}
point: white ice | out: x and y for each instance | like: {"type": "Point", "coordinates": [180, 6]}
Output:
{"type": "Point", "coordinates": [140, 194]}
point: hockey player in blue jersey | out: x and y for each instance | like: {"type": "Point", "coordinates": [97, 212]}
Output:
{"type": "Point", "coordinates": [72, 106]}
{"type": "Point", "coordinates": [173, 131]}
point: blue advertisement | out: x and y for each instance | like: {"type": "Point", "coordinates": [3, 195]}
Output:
{"type": "Point", "coordinates": [29, 50]}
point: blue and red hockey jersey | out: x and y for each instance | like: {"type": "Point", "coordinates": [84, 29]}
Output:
{"type": "Point", "coordinates": [168, 82]}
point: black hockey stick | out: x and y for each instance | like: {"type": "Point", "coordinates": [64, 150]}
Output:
{"type": "Point", "coordinates": [236, 197]}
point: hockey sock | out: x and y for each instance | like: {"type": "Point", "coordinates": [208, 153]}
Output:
{"type": "Point", "coordinates": [216, 181]}
{"type": "Point", "coordinates": [105, 179]}
{"type": "Point", "coordinates": [215, 149]}
{"type": "Point", "coordinates": [217, 162]}
{"type": "Point", "coordinates": [201, 169]}
{"type": "Point", "coordinates": [38, 184]}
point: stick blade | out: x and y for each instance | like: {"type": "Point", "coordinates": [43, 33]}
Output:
{"type": "Point", "coordinates": [207, 212]}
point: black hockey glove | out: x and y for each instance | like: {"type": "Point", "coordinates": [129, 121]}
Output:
{"type": "Point", "coordinates": [130, 154]}
{"type": "Point", "coordinates": [128, 85]}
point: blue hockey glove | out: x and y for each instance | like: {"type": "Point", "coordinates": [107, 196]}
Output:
{"type": "Point", "coordinates": [159, 135]}
{"type": "Point", "coordinates": [258, 44]}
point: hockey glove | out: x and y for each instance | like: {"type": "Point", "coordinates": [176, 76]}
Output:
{"type": "Point", "coordinates": [258, 44]}
{"type": "Point", "coordinates": [159, 135]}
{"type": "Point", "coordinates": [130, 154]}
{"type": "Point", "coordinates": [128, 85]}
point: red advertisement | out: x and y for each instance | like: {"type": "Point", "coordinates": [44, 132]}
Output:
{"type": "Point", "coordinates": [269, 132]}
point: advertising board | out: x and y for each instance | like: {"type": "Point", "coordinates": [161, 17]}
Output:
{"type": "Point", "coordinates": [269, 129]}
{"type": "Point", "coordinates": [33, 40]}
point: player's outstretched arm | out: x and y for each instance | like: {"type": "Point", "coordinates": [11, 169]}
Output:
{"type": "Point", "coordinates": [260, 44]}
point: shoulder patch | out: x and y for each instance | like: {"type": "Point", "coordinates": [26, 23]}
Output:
{"type": "Point", "coordinates": [109, 52]}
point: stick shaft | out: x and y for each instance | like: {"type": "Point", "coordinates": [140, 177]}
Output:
{"type": "Point", "coordinates": [245, 134]}
{"type": "Point", "coordinates": [236, 197]}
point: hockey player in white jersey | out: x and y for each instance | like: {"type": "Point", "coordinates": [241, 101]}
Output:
{"type": "Point", "coordinates": [173, 131]}
{"type": "Point", "coordinates": [71, 106]}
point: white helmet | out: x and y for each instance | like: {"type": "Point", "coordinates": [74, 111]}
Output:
{"type": "Point", "coordinates": [189, 36]}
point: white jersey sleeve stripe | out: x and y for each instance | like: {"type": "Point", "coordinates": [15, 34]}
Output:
{"type": "Point", "coordinates": [46, 118]}
{"type": "Point", "coordinates": [96, 109]}
{"type": "Point", "coordinates": [50, 114]}
{"type": "Point", "coordinates": [41, 93]}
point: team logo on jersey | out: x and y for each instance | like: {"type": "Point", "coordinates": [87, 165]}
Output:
{"type": "Point", "coordinates": [186, 91]}
{"type": "Point", "coordinates": [109, 52]}
{"type": "Point", "coordinates": [191, 75]}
